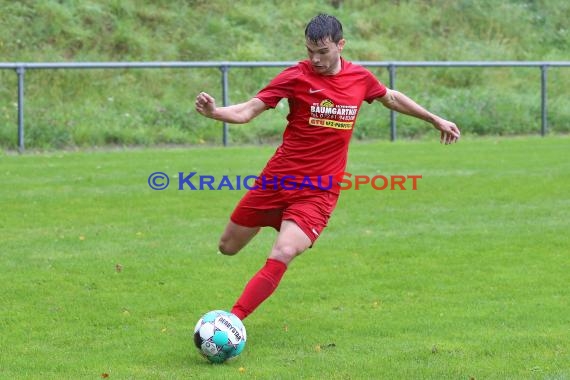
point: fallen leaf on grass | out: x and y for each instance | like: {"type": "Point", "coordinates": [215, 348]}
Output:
{"type": "Point", "coordinates": [320, 347]}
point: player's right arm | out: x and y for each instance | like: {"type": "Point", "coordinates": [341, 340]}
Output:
{"type": "Point", "coordinates": [235, 114]}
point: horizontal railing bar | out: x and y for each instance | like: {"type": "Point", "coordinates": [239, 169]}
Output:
{"type": "Point", "coordinates": [217, 64]}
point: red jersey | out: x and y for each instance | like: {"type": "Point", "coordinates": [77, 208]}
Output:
{"type": "Point", "coordinates": [322, 114]}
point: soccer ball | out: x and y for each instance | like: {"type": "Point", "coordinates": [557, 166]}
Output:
{"type": "Point", "coordinates": [219, 335]}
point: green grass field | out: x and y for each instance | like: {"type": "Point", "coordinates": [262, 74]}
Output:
{"type": "Point", "coordinates": [466, 277]}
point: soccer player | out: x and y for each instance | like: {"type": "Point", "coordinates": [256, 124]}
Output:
{"type": "Point", "coordinates": [324, 93]}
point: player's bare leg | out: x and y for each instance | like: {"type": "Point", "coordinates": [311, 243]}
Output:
{"type": "Point", "coordinates": [290, 243]}
{"type": "Point", "coordinates": [235, 237]}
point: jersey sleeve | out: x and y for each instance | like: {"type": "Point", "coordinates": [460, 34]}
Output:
{"type": "Point", "coordinates": [374, 89]}
{"type": "Point", "coordinates": [280, 87]}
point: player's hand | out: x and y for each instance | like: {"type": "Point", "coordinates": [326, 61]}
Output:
{"type": "Point", "coordinates": [205, 104]}
{"type": "Point", "coordinates": [449, 131]}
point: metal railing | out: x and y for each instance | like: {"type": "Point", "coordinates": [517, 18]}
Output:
{"type": "Point", "coordinates": [224, 67]}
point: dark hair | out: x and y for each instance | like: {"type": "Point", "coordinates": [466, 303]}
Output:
{"type": "Point", "coordinates": [323, 26]}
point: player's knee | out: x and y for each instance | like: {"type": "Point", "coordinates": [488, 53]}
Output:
{"type": "Point", "coordinates": [284, 253]}
{"type": "Point", "coordinates": [227, 248]}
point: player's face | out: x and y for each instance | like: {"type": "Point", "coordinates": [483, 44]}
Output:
{"type": "Point", "coordinates": [325, 56]}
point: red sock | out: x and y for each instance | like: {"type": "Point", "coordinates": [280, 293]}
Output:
{"type": "Point", "coordinates": [259, 288]}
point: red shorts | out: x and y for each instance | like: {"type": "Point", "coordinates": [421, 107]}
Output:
{"type": "Point", "coordinates": [310, 209]}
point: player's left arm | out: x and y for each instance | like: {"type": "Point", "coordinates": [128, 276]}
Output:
{"type": "Point", "coordinates": [399, 102]}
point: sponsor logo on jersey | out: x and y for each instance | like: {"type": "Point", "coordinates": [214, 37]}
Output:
{"type": "Point", "coordinates": [330, 115]}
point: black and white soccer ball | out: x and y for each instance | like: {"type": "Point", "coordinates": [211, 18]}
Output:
{"type": "Point", "coordinates": [219, 335]}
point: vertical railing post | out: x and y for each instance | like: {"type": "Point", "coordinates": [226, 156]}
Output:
{"type": "Point", "coordinates": [20, 71]}
{"type": "Point", "coordinates": [225, 100]}
{"type": "Point", "coordinates": [543, 101]}
{"type": "Point", "coordinates": [392, 71]}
